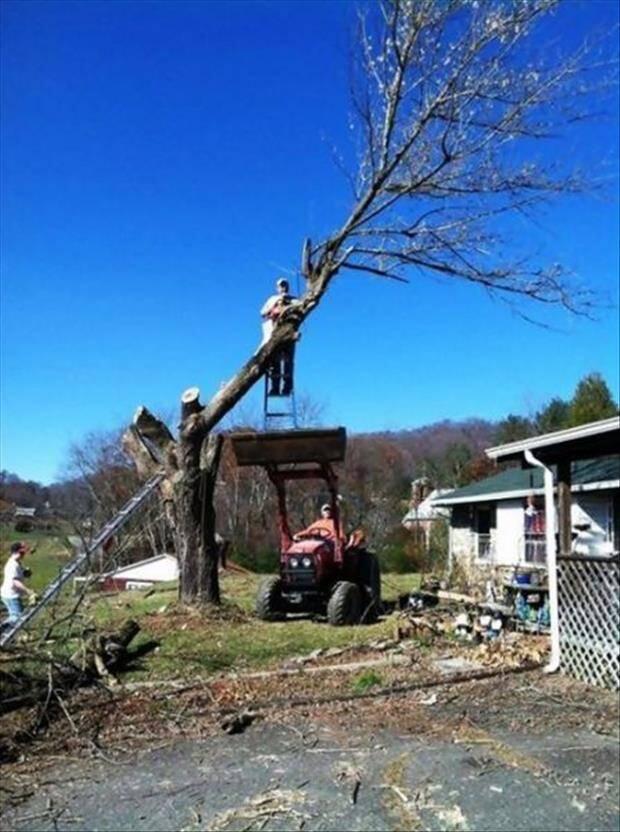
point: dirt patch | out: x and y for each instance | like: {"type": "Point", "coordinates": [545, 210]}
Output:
{"type": "Point", "coordinates": [174, 618]}
{"type": "Point", "coordinates": [530, 702]}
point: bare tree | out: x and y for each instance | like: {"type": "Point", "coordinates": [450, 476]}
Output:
{"type": "Point", "coordinates": [448, 109]}
{"type": "Point", "coordinates": [101, 478]}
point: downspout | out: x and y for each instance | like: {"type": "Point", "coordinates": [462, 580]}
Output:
{"type": "Point", "coordinates": [552, 568]}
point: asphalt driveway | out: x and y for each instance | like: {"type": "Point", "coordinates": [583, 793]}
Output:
{"type": "Point", "coordinates": [466, 759]}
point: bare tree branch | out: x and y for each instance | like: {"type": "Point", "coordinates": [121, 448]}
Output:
{"type": "Point", "coordinates": [446, 95]}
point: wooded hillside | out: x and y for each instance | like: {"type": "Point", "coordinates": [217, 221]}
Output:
{"type": "Point", "coordinates": [375, 480]}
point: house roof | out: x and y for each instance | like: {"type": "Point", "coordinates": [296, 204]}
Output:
{"type": "Point", "coordinates": [140, 563]}
{"type": "Point", "coordinates": [581, 442]}
{"type": "Point", "coordinates": [586, 475]}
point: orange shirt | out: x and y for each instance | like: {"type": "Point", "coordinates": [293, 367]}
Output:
{"type": "Point", "coordinates": [324, 526]}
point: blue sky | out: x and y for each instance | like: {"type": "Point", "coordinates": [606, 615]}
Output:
{"type": "Point", "coordinates": [162, 163]}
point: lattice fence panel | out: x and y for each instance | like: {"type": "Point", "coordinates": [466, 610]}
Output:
{"type": "Point", "coordinates": [589, 610]}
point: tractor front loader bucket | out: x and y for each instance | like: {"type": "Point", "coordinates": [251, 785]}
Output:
{"type": "Point", "coordinates": [289, 447]}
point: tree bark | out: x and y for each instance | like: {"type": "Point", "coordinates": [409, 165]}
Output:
{"type": "Point", "coordinates": [211, 453]}
{"type": "Point", "coordinates": [199, 458]}
{"type": "Point", "coordinates": [197, 547]}
{"type": "Point", "coordinates": [188, 513]}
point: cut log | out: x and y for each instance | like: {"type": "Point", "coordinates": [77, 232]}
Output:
{"type": "Point", "coordinates": [456, 596]}
{"type": "Point", "coordinates": [127, 633]}
{"type": "Point", "coordinates": [102, 654]}
{"type": "Point", "coordinates": [190, 403]}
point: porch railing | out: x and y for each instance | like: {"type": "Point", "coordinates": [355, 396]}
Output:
{"type": "Point", "coordinates": [535, 549]}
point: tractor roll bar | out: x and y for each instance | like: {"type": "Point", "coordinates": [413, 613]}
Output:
{"type": "Point", "coordinates": [280, 451]}
{"type": "Point", "coordinates": [279, 477]}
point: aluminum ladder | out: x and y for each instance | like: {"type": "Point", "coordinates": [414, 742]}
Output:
{"type": "Point", "coordinates": [284, 416]}
{"type": "Point", "coordinates": [110, 528]}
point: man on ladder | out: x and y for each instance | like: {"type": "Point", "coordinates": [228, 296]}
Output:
{"type": "Point", "coordinates": [280, 371]}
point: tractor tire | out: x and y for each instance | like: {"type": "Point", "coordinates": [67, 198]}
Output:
{"type": "Point", "coordinates": [369, 578]}
{"type": "Point", "coordinates": [345, 604]}
{"type": "Point", "coordinates": [269, 604]}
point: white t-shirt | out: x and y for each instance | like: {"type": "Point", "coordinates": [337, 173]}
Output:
{"type": "Point", "coordinates": [12, 571]}
{"type": "Point", "coordinates": [268, 323]}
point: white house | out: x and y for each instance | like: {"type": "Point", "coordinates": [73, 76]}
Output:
{"type": "Point", "coordinates": [583, 574]}
{"type": "Point", "coordinates": [500, 521]}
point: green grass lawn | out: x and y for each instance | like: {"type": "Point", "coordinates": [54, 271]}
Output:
{"type": "Point", "coordinates": [191, 641]}
{"type": "Point", "coordinates": [51, 554]}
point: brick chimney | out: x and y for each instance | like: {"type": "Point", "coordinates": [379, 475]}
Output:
{"type": "Point", "coordinates": [420, 489]}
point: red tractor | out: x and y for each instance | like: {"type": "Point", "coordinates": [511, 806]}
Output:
{"type": "Point", "coordinates": [320, 571]}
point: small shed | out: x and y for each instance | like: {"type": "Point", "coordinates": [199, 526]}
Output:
{"type": "Point", "coordinates": [143, 574]}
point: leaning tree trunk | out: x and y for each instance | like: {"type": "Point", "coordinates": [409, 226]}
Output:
{"type": "Point", "coordinates": [191, 462]}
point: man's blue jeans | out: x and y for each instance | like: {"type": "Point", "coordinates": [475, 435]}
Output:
{"type": "Point", "coordinates": [15, 608]}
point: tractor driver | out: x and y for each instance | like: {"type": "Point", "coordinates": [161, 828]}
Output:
{"type": "Point", "coordinates": [324, 526]}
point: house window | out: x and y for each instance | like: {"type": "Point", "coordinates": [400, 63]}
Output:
{"type": "Point", "coordinates": [484, 521]}
{"type": "Point", "coordinates": [535, 546]}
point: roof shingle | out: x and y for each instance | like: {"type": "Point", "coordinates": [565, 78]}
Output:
{"type": "Point", "coordinates": [531, 479]}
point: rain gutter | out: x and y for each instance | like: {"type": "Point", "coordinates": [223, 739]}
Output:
{"type": "Point", "coordinates": [552, 566]}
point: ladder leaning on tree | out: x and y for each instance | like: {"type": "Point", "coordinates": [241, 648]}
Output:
{"type": "Point", "coordinates": [110, 529]}
{"type": "Point", "coordinates": [281, 415]}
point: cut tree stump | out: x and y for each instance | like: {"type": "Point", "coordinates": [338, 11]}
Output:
{"type": "Point", "coordinates": [102, 654]}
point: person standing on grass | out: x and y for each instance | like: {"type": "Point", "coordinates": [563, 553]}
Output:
{"type": "Point", "coordinates": [13, 586]}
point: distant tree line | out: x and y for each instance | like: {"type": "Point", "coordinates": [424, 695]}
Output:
{"type": "Point", "coordinates": [375, 481]}
{"type": "Point", "coordinates": [592, 400]}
